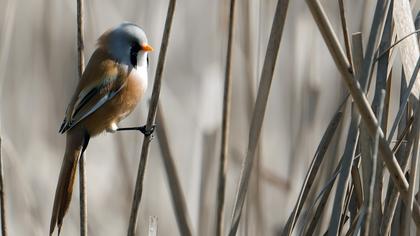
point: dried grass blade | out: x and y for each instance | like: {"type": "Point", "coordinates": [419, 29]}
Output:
{"type": "Point", "coordinates": [350, 147]}
{"type": "Point", "coordinates": [259, 108]}
{"type": "Point", "coordinates": [393, 199]}
{"type": "Point", "coordinates": [322, 198]}
{"type": "Point", "coordinates": [370, 206]}
{"type": "Point", "coordinates": [82, 170]}
{"type": "Point", "coordinates": [227, 94]}
{"type": "Point", "coordinates": [405, 98]}
{"type": "Point", "coordinates": [364, 109]}
{"type": "Point", "coordinates": [312, 171]}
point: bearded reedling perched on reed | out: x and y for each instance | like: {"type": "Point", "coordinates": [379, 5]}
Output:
{"type": "Point", "coordinates": [114, 81]}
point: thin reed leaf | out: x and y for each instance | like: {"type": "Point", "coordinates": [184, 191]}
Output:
{"type": "Point", "coordinates": [354, 226]}
{"type": "Point", "coordinates": [250, 90]}
{"type": "Point", "coordinates": [259, 109]}
{"type": "Point", "coordinates": [349, 151]}
{"type": "Point", "coordinates": [350, 147]}
{"type": "Point", "coordinates": [150, 120]}
{"type": "Point", "coordinates": [322, 198]}
{"type": "Point", "coordinates": [227, 94]}
{"type": "Point", "coordinates": [312, 172]}
{"type": "Point", "coordinates": [405, 98]}
{"type": "Point", "coordinates": [374, 210]}
{"type": "Point", "coordinates": [329, 36]}
{"type": "Point", "coordinates": [357, 183]}
{"type": "Point", "coordinates": [364, 108]}
{"type": "Point", "coordinates": [345, 30]}
{"type": "Point", "coordinates": [413, 174]}
{"type": "Point", "coordinates": [370, 228]}
{"type": "Point", "coordinates": [393, 199]}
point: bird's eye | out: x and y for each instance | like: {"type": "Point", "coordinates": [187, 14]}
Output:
{"type": "Point", "coordinates": [135, 47]}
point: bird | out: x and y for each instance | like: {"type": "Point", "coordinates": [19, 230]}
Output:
{"type": "Point", "coordinates": [112, 84]}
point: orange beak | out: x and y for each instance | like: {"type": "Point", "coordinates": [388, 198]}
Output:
{"type": "Point", "coordinates": [146, 47]}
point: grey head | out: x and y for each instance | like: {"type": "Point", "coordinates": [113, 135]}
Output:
{"type": "Point", "coordinates": [127, 43]}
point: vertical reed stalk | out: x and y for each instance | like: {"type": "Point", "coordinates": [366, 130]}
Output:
{"type": "Point", "coordinates": [350, 147]}
{"type": "Point", "coordinates": [362, 103]}
{"type": "Point", "coordinates": [2, 198]}
{"type": "Point", "coordinates": [83, 195]}
{"type": "Point", "coordinates": [413, 175]}
{"type": "Point", "coordinates": [345, 30]}
{"type": "Point", "coordinates": [369, 213]}
{"type": "Point", "coordinates": [259, 109]}
{"type": "Point", "coordinates": [82, 172]}
{"type": "Point", "coordinates": [221, 183]}
{"type": "Point", "coordinates": [150, 120]}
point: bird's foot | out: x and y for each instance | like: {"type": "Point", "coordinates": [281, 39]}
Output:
{"type": "Point", "coordinates": [143, 129]}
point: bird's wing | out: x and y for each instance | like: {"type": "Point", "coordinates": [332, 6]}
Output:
{"type": "Point", "coordinates": [99, 84]}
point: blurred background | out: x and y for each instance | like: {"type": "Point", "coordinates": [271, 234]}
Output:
{"type": "Point", "coordinates": [38, 75]}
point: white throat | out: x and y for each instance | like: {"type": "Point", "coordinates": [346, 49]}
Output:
{"type": "Point", "coordinates": [141, 68]}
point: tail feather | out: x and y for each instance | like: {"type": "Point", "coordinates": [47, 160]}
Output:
{"type": "Point", "coordinates": [64, 190]}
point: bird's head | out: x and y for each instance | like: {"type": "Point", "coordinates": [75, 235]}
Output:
{"type": "Point", "coordinates": [127, 44]}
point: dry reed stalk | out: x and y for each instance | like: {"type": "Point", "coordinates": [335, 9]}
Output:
{"type": "Point", "coordinates": [322, 197]}
{"type": "Point", "coordinates": [259, 109]}
{"type": "Point", "coordinates": [150, 120]}
{"type": "Point", "coordinates": [405, 99]}
{"type": "Point", "coordinates": [80, 40]}
{"type": "Point", "coordinates": [350, 147]}
{"type": "Point", "coordinates": [345, 30]}
{"type": "Point", "coordinates": [227, 94]}
{"type": "Point", "coordinates": [369, 222]}
{"type": "Point", "coordinates": [178, 199]}
{"type": "Point", "coordinates": [413, 174]}
{"type": "Point", "coordinates": [390, 208]}
{"type": "Point", "coordinates": [312, 171]}
{"type": "Point", "coordinates": [342, 186]}
{"type": "Point", "coordinates": [374, 212]}
{"type": "Point", "coordinates": [366, 144]}
{"type": "Point", "coordinates": [355, 224]}
{"type": "Point", "coordinates": [362, 104]}
{"type": "Point", "coordinates": [329, 36]}
{"type": "Point", "coordinates": [83, 195]}
{"type": "Point", "coordinates": [2, 198]}
{"type": "Point", "coordinates": [82, 172]}
{"type": "Point", "coordinates": [357, 183]}
{"type": "Point", "coordinates": [250, 98]}
{"type": "Point", "coordinates": [393, 199]}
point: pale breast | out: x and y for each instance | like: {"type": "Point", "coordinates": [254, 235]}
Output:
{"type": "Point", "coordinates": [134, 90]}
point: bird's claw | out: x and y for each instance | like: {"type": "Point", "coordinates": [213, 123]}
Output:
{"type": "Point", "coordinates": [147, 132]}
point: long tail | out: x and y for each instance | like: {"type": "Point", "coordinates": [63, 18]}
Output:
{"type": "Point", "coordinates": [77, 140]}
